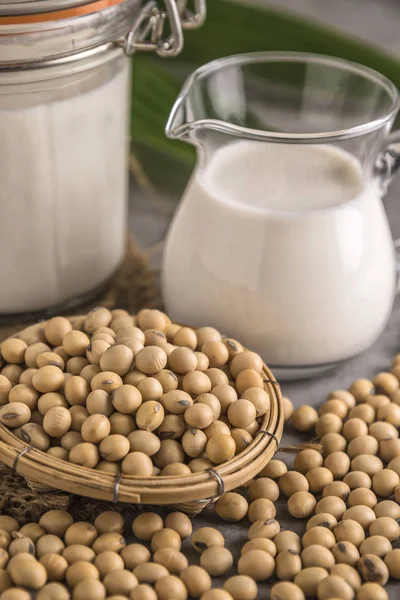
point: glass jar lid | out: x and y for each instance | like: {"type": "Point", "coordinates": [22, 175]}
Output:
{"type": "Point", "coordinates": [38, 32]}
{"type": "Point", "coordinates": [41, 31]}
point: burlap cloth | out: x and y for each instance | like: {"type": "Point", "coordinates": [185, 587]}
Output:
{"type": "Point", "coordinates": [135, 286]}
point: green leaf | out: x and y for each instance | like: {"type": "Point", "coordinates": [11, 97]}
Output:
{"type": "Point", "coordinates": [230, 29]}
{"type": "Point", "coordinates": [234, 28]}
{"type": "Point", "coordinates": [154, 92]}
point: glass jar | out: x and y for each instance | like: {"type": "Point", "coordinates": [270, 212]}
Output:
{"type": "Point", "coordinates": [64, 123]}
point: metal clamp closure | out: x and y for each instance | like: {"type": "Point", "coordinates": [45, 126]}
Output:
{"type": "Point", "coordinates": [147, 33]}
{"type": "Point", "coordinates": [192, 19]}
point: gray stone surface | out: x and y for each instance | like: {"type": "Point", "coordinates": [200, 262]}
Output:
{"type": "Point", "coordinates": [376, 21]}
{"type": "Point", "coordinates": [373, 20]}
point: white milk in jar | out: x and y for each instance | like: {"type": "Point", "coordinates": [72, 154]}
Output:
{"type": "Point", "coordinates": [65, 92]}
{"type": "Point", "coordinates": [285, 247]}
{"type": "Point", "coordinates": [63, 190]}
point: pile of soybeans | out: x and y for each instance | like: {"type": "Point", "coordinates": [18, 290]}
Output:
{"type": "Point", "coordinates": [347, 495]}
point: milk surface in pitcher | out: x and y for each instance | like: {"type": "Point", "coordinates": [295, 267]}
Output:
{"type": "Point", "coordinates": [285, 247]}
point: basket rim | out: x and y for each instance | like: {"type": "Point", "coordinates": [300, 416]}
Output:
{"type": "Point", "coordinates": [47, 470]}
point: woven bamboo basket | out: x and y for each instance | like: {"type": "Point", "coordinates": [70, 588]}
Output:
{"type": "Point", "coordinates": [191, 493]}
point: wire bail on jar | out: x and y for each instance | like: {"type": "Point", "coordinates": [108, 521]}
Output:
{"type": "Point", "coordinates": [192, 19]}
{"type": "Point", "coordinates": [147, 33]}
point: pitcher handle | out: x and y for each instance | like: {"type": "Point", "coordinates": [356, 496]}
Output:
{"type": "Point", "coordinates": [397, 255]}
{"type": "Point", "coordinates": [388, 162]}
{"type": "Point", "coordinates": [386, 167]}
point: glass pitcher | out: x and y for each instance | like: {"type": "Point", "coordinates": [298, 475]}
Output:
{"type": "Point", "coordinates": [281, 239]}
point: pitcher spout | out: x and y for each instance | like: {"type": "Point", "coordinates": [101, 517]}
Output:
{"type": "Point", "coordinates": [183, 125]}
{"type": "Point", "coordinates": [177, 127]}
{"type": "Point", "coordinates": [197, 109]}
